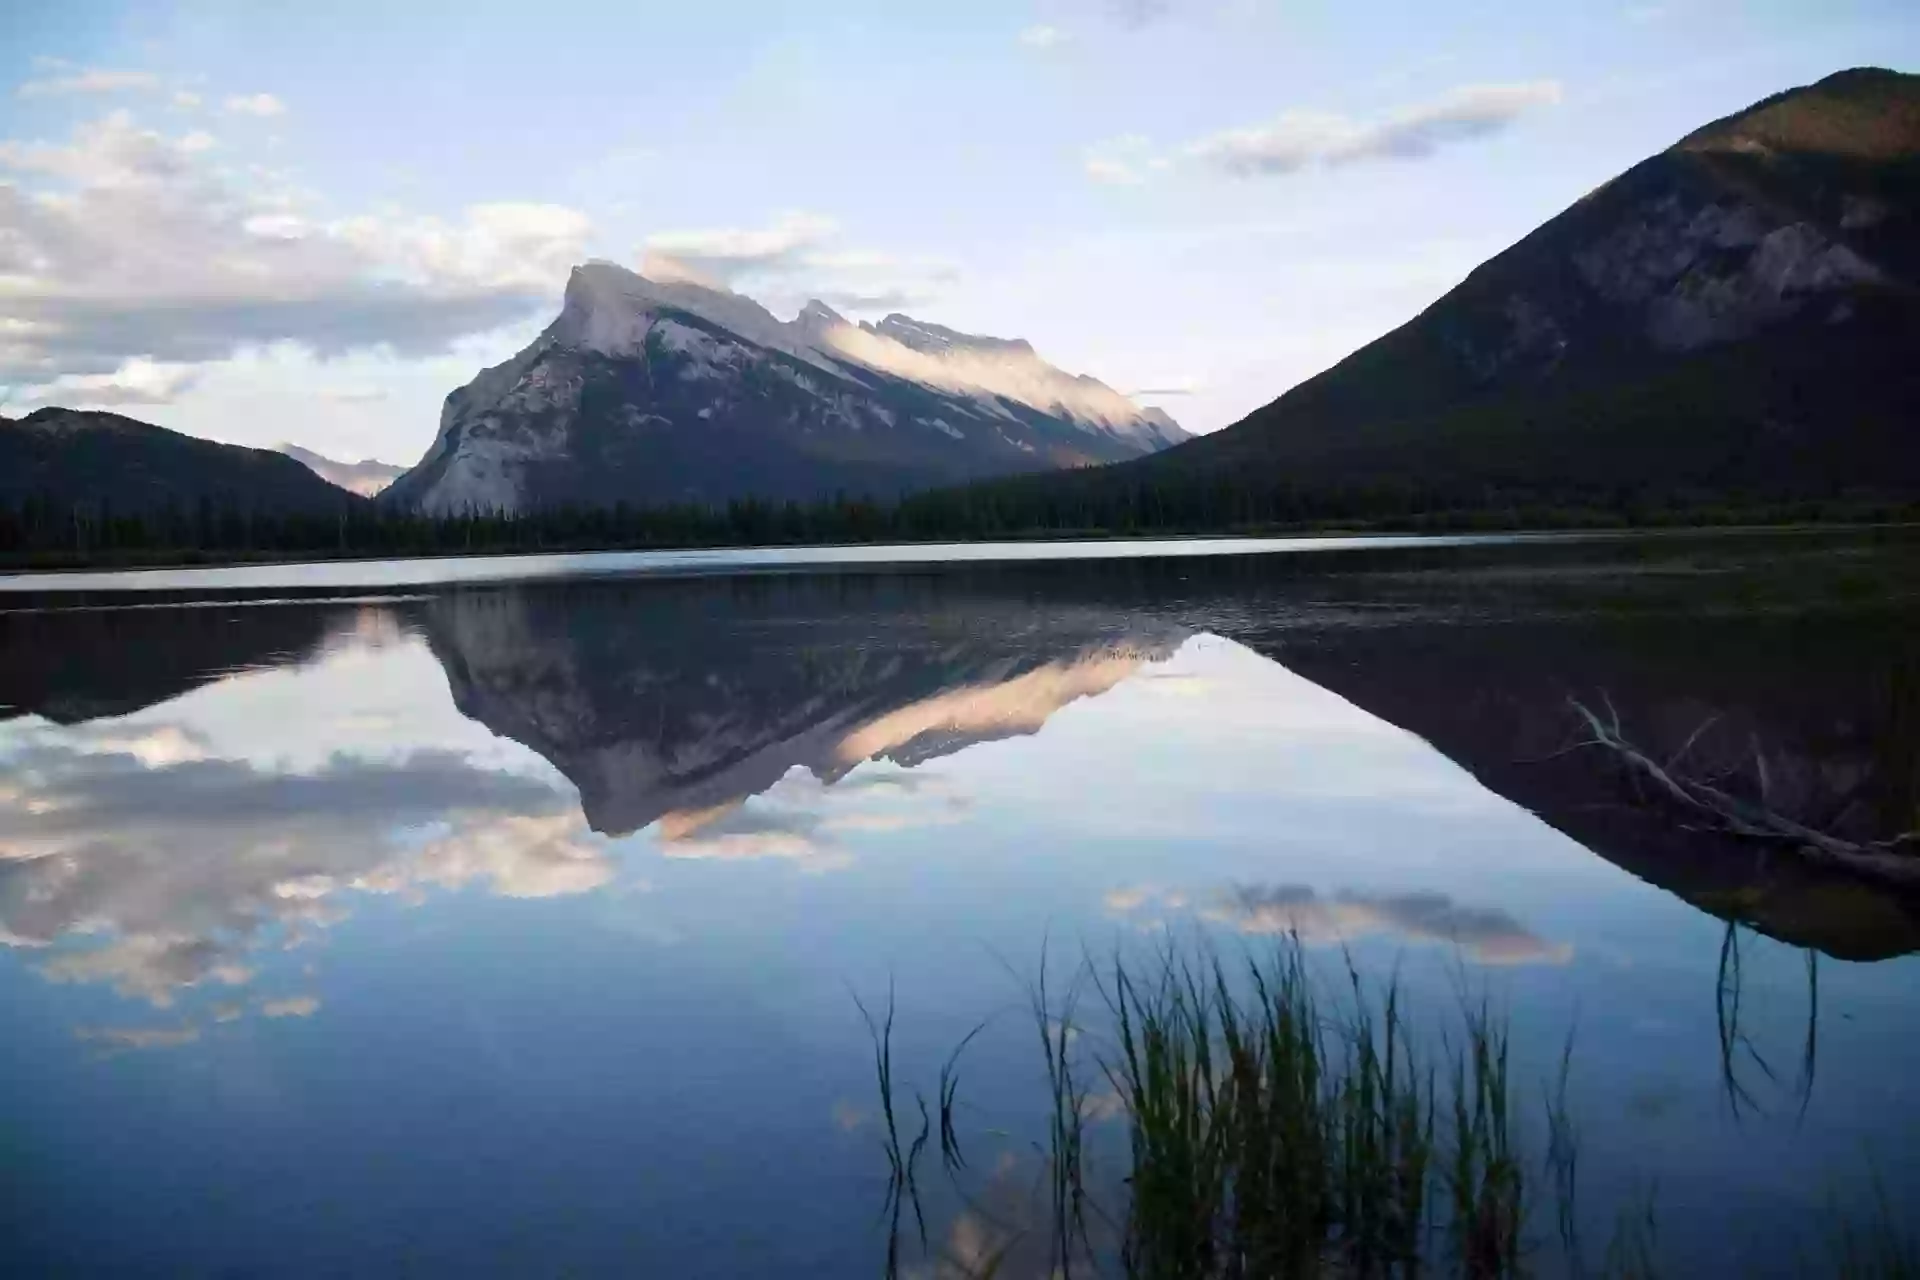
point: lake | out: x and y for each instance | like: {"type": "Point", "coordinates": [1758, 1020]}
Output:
{"type": "Point", "coordinates": [515, 917]}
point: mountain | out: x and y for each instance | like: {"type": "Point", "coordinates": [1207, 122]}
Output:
{"type": "Point", "coordinates": [365, 477]}
{"type": "Point", "coordinates": [75, 458]}
{"type": "Point", "coordinates": [1734, 317]}
{"type": "Point", "coordinates": [658, 390]}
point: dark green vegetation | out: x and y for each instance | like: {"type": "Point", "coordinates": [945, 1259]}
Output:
{"type": "Point", "coordinates": [95, 469]}
{"type": "Point", "coordinates": [1275, 1130]}
{"type": "Point", "coordinates": [1731, 321]}
{"type": "Point", "coordinates": [53, 531]}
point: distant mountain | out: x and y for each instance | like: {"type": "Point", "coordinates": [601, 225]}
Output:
{"type": "Point", "coordinates": [365, 477]}
{"type": "Point", "coordinates": [650, 391]}
{"type": "Point", "coordinates": [76, 458]}
{"type": "Point", "coordinates": [1737, 316]}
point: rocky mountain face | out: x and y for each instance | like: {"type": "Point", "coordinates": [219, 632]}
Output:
{"type": "Point", "coordinates": [652, 391]}
{"type": "Point", "coordinates": [1733, 317]}
{"type": "Point", "coordinates": [103, 460]}
{"type": "Point", "coordinates": [365, 477]}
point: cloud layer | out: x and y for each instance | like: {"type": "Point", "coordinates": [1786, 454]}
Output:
{"type": "Point", "coordinates": [125, 250]}
{"type": "Point", "coordinates": [179, 864]}
{"type": "Point", "coordinates": [794, 258]}
{"type": "Point", "coordinates": [1296, 140]}
{"type": "Point", "coordinates": [88, 80]}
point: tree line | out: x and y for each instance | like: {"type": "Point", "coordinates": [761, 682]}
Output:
{"type": "Point", "coordinates": [42, 531]}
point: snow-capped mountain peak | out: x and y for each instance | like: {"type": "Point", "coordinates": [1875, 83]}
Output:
{"type": "Point", "coordinates": [663, 387]}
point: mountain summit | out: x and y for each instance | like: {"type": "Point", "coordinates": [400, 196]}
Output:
{"type": "Point", "coordinates": [658, 390]}
{"type": "Point", "coordinates": [1735, 317]}
{"type": "Point", "coordinates": [366, 477]}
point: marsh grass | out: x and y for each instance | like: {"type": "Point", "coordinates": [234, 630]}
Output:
{"type": "Point", "coordinates": [1273, 1131]}
{"type": "Point", "coordinates": [902, 1184]}
{"type": "Point", "coordinates": [1280, 1125]}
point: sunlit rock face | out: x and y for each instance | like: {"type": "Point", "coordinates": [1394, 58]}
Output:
{"type": "Point", "coordinates": [651, 390]}
{"type": "Point", "coordinates": [657, 717]}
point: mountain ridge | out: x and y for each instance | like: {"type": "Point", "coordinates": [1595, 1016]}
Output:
{"type": "Point", "coordinates": [662, 389]}
{"type": "Point", "coordinates": [366, 477]}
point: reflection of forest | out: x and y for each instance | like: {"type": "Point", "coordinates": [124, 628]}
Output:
{"type": "Point", "coordinates": [72, 665]}
{"type": "Point", "coordinates": [1820, 724]}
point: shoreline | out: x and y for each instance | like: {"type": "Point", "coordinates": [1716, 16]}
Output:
{"type": "Point", "coordinates": [15, 569]}
{"type": "Point", "coordinates": [323, 576]}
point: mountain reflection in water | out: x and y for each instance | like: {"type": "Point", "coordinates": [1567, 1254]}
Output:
{"type": "Point", "coordinates": [224, 823]}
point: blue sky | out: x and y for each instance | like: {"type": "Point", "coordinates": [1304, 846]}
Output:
{"type": "Point", "coordinates": [260, 222]}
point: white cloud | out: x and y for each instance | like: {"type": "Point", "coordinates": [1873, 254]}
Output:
{"type": "Point", "coordinates": [354, 395]}
{"type": "Point", "coordinates": [1042, 37]}
{"type": "Point", "coordinates": [1124, 161]}
{"type": "Point", "coordinates": [262, 105]}
{"type": "Point", "coordinates": [125, 243]}
{"type": "Point", "coordinates": [728, 251]}
{"type": "Point", "coordinates": [1113, 172]}
{"type": "Point", "coordinates": [1296, 139]}
{"type": "Point", "coordinates": [90, 80]}
{"type": "Point", "coordinates": [139, 381]}
{"type": "Point", "coordinates": [290, 1007]}
{"type": "Point", "coordinates": [186, 99]}
{"type": "Point", "coordinates": [793, 260]}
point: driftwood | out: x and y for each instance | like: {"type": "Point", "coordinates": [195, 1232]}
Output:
{"type": "Point", "coordinates": [1710, 808]}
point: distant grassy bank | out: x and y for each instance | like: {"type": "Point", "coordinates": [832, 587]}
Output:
{"type": "Point", "coordinates": [42, 538]}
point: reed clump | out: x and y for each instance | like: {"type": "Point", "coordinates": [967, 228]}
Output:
{"type": "Point", "coordinates": [1274, 1131]}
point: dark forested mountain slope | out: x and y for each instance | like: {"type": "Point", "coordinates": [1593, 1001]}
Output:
{"type": "Point", "coordinates": [1736, 317]}
{"type": "Point", "coordinates": [103, 461]}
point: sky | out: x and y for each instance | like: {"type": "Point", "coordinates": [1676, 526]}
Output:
{"type": "Point", "coordinates": [259, 223]}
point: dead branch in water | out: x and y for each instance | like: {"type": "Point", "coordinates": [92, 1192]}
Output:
{"type": "Point", "coordinates": [1896, 861]}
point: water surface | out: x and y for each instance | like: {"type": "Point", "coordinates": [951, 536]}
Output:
{"type": "Point", "coordinates": [514, 927]}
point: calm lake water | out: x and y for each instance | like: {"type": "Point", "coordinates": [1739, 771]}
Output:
{"type": "Point", "coordinates": [388, 919]}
